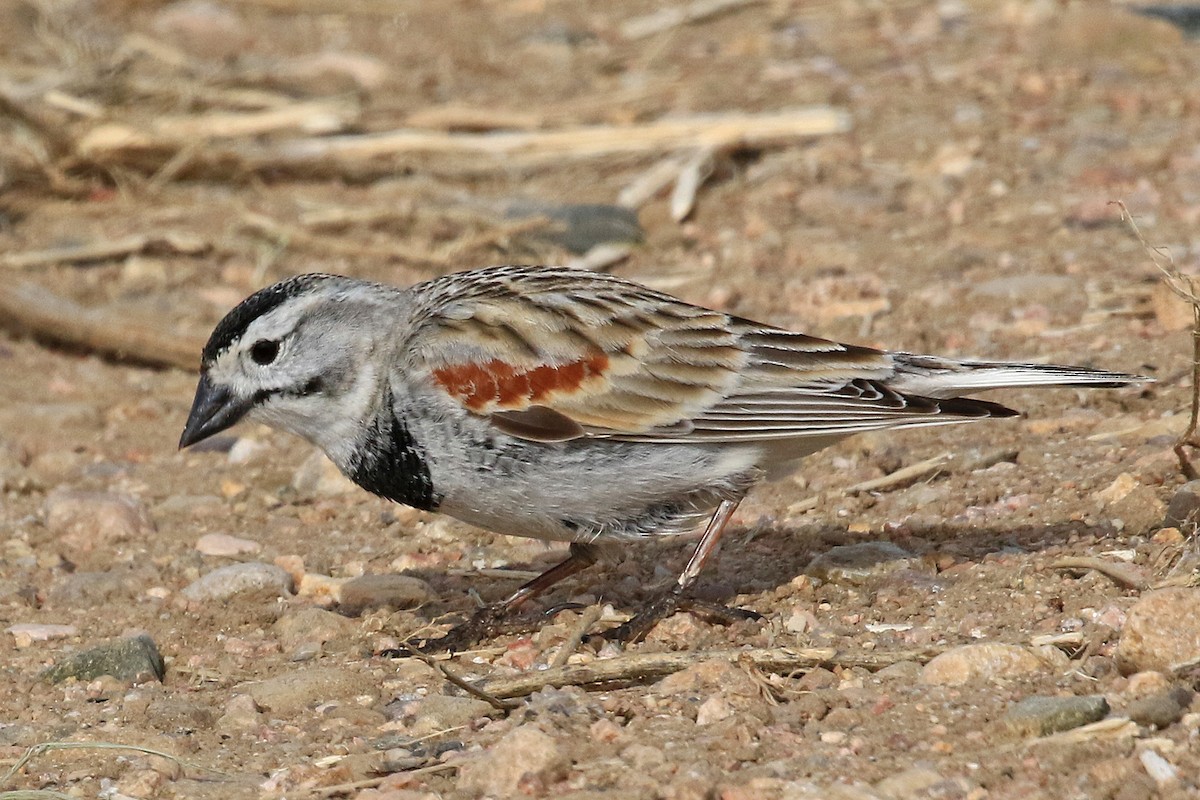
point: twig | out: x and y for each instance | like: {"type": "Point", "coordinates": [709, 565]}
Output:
{"type": "Point", "coordinates": [176, 243]}
{"type": "Point", "coordinates": [472, 118]}
{"type": "Point", "coordinates": [903, 475]}
{"type": "Point", "coordinates": [641, 668]}
{"type": "Point", "coordinates": [466, 686]}
{"type": "Point", "coordinates": [667, 18]}
{"type": "Point", "coordinates": [1183, 286]}
{"type": "Point", "coordinates": [369, 783]}
{"type": "Point", "coordinates": [1117, 573]}
{"type": "Point", "coordinates": [590, 616]}
{"type": "Point", "coordinates": [291, 236]}
{"type": "Point", "coordinates": [695, 172]}
{"type": "Point", "coordinates": [37, 311]}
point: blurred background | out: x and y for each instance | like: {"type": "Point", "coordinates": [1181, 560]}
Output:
{"type": "Point", "coordinates": [918, 175]}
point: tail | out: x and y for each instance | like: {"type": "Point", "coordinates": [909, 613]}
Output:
{"type": "Point", "coordinates": [932, 376]}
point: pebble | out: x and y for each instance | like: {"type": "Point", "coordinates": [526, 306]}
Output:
{"type": "Point", "coordinates": [133, 659]}
{"type": "Point", "coordinates": [246, 451]}
{"type": "Point", "coordinates": [26, 633]}
{"type": "Point", "coordinates": [90, 589]}
{"type": "Point", "coordinates": [714, 709]}
{"type": "Point", "coordinates": [1161, 709]}
{"type": "Point", "coordinates": [1184, 508]}
{"type": "Point", "coordinates": [1162, 629]}
{"type": "Point", "coordinates": [855, 564]}
{"type": "Point", "coordinates": [222, 544]}
{"type": "Point", "coordinates": [203, 29]}
{"type": "Point", "coordinates": [241, 713]}
{"type": "Point", "coordinates": [308, 686]}
{"type": "Point", "coordinates": [439, 712]}
{"type": "Point", "coordinates": [1159, 769]}
{"type": "Point", "coordinates": [320, 589]}
{"type": "Point", "coordinates": [320, 476]}
{"type": "Point", "coordinates": [226, 582]}
{"type": "Point", "coordinates": [979, 662]}
{"type": "Point", "coordinates": [912, 782]}
{"type": "Point", "coordinates": [1042, 716]}
{"type": "Point", "coordinates": [383, 591]}
{"type": "Point", "coordinates": [312, 625]}
{"type": "Point", "coordinates": [87, 521]}
{"type": "Point", "coordinates": [523, 759]}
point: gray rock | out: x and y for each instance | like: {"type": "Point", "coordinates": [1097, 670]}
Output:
{"type": "Point", "coordinates": [1161, 709]}
{"type": "Point", "coordinates": [319, 475]}
{"type": "Point", "coordinates": [981, 661]}
{"type": "Point", "coordinates": [126, 659]}
{"type": "Point", "coordinates": [858, 563]}
{"type": "Point", "coordinates": [306, 687]}
{"type": "Point", "coordinates": [306, 625]}
{"type": "Point", "coordinates": [383, 591]}
{"type": "Point", "coordinates": [87, 521]}
{"type": "Point", "coordinates": [1162, 629]}
{"type": "Point", "coordinates": [1041, 716]}
{"type": "Point", "coordinates": [251, 577]}
{"type": "Point", "coordinates": [1184, 508]}
{"type": "Point", "coordinates": [524, 754]}
{"type": "Point", "coordinates": [90, 589]}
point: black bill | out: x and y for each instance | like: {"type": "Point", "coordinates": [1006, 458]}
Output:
{"type": "Point", "coordinates": [214, 409]}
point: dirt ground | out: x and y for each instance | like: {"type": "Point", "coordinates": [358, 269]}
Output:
{"type": "Point", "coordinates": [965, 212]}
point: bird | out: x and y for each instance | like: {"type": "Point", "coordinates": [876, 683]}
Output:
{"type": "Point", "coordinates": [568, 405]}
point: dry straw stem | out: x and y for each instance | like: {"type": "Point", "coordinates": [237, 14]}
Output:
{"type": "Point", "coordinates": [1184, 286]}
{"type": "Point", "coordinates": [31, 309]}
{"type": "Point", "coordinates": [106, 250]}
{"type": "Point", "coordinates": [645, 667]}
{"type": "Point", "coordinates": [1120, 574]}
{"type": "Point", "coordinates": [356, 156]}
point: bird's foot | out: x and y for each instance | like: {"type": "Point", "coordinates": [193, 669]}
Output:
{"type": "Point", "coordinates": [487, 622]}
{"type": "Point", "coordinates": [665, 605]}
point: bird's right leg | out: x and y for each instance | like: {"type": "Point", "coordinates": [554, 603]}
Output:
{"type": "Point", "coordinates": [488, 621]}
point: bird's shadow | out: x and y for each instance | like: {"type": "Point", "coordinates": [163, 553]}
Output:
{"type": "Point", "coordinates": [752, 562]}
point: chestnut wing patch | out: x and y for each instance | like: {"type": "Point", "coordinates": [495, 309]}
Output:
{"type": "Point", "coordinates": [498, 386]}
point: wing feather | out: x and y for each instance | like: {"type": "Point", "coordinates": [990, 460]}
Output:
{"type": "Point", "coordinates": [554, 354]}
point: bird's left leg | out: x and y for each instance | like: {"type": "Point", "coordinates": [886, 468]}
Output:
{"type": "Point", "coordinates": [673, 599]}
{"type": "Point", "coordinates": [487, 621]}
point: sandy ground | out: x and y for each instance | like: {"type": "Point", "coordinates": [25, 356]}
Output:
{"type": "Point", "coordinates": [965, 213]}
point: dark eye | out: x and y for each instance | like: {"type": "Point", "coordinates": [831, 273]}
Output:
{"type": "Point", "coordinates": [264, 351]}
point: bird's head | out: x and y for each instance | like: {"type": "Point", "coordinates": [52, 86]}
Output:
{"type": "Point", "coordinates": [297, 356]}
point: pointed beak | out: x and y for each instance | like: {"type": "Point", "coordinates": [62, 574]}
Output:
{"type": "Point", "coordinates": [214, 409]}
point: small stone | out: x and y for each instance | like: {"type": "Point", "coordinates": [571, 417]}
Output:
{"type": "Point", "coordinates": [87, 521]}
{"type": "Point", "coordinates": [133, 659]}
{"type": "Point", "coordinates": [911, 783]}
{"type": "Point", "coordinates": [1144, 684]}
{"type": "Point", "coordinates": [524, 756]}
{"type": "Point", "coordinates": [1159, 769]}
{"type": "Point", "coordinates": [978, 662]}
{"type": "Point", "coordinates": [296, 628]}
{"type": "Point", "coordinates": [89, 589]}
{"type": "Point", "coordinates": [318, 475]}
{"type": "Point", "coordinates": [307, 687]}
{"type": "Point", "coordinates": [320, 589]}
{"type": "Point", "coordinates": [222, 544]}
{"type": "Point", "coordinates": [1184, 509]}
{"type": "Point", "coordinates": [855, 564]}
{"type": "Point", "coordinates": [241, 713]}
{"type": "Point", "coordinates": [1161, 630]}
{"type": "Point", "coordinates": [714, 709]}
{"type": "Point", "coordinates": [1042, 716]}
{"type": "Point", "coordinates": [439, 712]}
{"type": "Point", "coordinates": [246, 451]}
{"type": "Point", "coordinates": [26, 633]}
{"type": "Point", "coordinates": [226, 582]}
{"type": "Point", "coordinates": [383, 591]}
{"type": "Point", "coordinates": [1161, 709]}
{"type": "Point", "coordinates": [203, 28]}
{"type": "Point", "coordinates": [1116, 491]}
